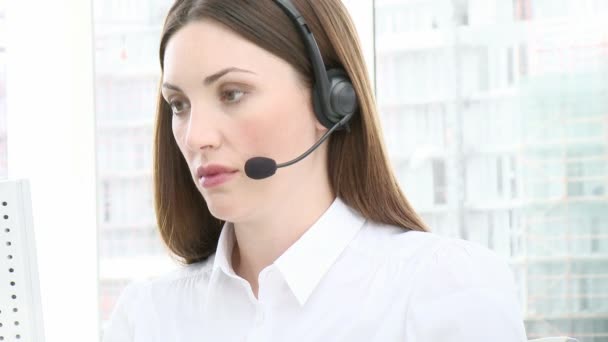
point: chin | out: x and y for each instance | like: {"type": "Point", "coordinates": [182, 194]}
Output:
{"type": "Point", "coordinates": [223, 208]}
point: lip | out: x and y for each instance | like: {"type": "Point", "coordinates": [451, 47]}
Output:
{"type": "Point", "coordinates": [213, 175]}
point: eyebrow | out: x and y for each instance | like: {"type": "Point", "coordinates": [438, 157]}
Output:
{"type": "Point", "coordinates": [210, 79]}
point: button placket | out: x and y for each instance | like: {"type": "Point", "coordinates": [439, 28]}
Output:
{"type": "Point", "coordinates": [260, 315]}
{"type": "Point", "coordinates": [257, 333]}
{"type": "Point", "coordinates": [266, 288]}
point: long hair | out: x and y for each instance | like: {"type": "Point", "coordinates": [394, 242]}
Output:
{"type": "Point", "coordinates": [359, 170]}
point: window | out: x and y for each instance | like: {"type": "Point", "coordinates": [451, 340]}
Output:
{"type": "Point", "coordinates": [499, 177]}
{"type": "Point", "coordinates": [595, 235]}
{"type": "Point", "coordinates": [530, 108]}
{"type": "Point", "coordinates": [510, 66]}
{"type": "Point", "coordinates": [523, 59]}
{"type": "Point", "coordinates": [461, 12]}
{"type": "Point", "coordinates": [127, 74]}
{"type": "Point", "coordinates": [583, 294]}
{"type": "Point", "coordinates": [522, 9]}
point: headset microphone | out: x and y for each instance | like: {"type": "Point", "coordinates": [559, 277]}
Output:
{"type": "Point", "coordinates": [262, 167]}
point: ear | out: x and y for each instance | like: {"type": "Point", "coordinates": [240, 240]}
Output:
{"type": "Point", "coordinates": [319, 127]}
{"type": "Point", "coordinates": [310, 107]}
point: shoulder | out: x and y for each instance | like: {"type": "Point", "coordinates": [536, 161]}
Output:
{"type": "Point", "coordinates": [435, 262]}
{"type": "Point", "coordinates": [456, 264]}
{"type": "Point", "coordinates": [394, 244]}
{"type": "Point", "coordinates": [173, 280]}
{"type": "Point", "coordinates": [441, 265]}
{"type": "Point", "coordinates": [434, 254]}
{"type": "Point", "coordinates": [173, 286]}
{"type": "Point", "coordinates": [184, 274]}
{"type": "Point", "coordinates": [140, 300]}
{"type": "Point", "coordinates": [455, 290]}
{"type": "Point", "coordinates": [464, 292]}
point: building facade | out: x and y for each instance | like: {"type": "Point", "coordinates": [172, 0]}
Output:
{"type": "Point", "coordinates": [496, 117]}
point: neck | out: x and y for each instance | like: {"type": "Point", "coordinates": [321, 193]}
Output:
{"type": "Point", "coordinates": [259, 243]}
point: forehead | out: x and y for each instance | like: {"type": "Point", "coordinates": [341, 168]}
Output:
{"type": "Point", "coordinates": [205, 46]}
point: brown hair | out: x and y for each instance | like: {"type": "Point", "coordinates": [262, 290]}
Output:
{"type": "Point", "coordinates": [359, 169]}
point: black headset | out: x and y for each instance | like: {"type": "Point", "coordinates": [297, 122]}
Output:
{"type": "Point", "coordinates": [334, 98]}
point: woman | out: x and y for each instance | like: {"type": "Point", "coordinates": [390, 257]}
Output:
{"type": "Point", "coordinates": [326, 249]}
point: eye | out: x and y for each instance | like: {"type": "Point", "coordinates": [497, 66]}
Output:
{"type": "Point", "coordinates": [178, 106]}
{"type": "Point", "coordinates": [232, 95]}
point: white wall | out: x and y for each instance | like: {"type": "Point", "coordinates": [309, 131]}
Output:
{"type": "Point", "coordinates": [52, 143]}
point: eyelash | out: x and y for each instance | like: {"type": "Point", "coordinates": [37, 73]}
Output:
{"type": "Point", "coordinates": [173, 103]}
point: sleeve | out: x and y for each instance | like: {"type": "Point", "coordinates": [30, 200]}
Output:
{"type": "Point", "coordinates": [120, 327]}
{"type": "Point", "coordinates": [464, 292]}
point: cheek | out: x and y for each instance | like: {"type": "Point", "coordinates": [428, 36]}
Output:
{"type": "Point", "coordinates": [279, 130]}
{"type": "Point", "coordinates": [275, 127]}
{"type": "Point", "coordinates": [276, 133]}
{"type": "Point", "coordinates": [177, 131]}
{"type": "Point", "coordinates": [257, 136]}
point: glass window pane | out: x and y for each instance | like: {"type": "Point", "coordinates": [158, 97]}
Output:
{"type": "Point", "coordinates": [127, 35]}
{"type": "Point", "coordinates": [503, 104]}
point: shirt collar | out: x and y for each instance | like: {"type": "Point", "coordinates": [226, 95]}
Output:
{"type": "Point", "coordinates": [223, 254]}
{"type": "Point", "coordinates": [304, 263]}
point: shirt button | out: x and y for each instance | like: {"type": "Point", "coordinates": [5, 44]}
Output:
{"type": "Point", "coordinates": [260, 317]}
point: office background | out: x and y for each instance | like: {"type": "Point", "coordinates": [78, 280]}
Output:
{"type": "Point", "coordinates": [495, 113]}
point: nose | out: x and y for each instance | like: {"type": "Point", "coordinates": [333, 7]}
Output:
{"type": "Point", "coordinates": [203, 130]}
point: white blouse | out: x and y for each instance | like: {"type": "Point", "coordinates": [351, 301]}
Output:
{"type": "Point", "coordinates": [345, 279]}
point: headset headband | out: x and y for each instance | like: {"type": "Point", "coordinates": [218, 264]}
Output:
{"type": "Point", "coordinates": [318, 66]}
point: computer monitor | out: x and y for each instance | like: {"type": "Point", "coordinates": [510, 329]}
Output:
{"type": "Point", "coordinates": [20, 305]}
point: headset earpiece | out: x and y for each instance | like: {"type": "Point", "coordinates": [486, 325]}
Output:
{"type": "Point", "coordinates": [342, 98]}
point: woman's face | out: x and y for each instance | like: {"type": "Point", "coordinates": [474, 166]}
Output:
{"type": "Point", "coordinates": [231, 101]}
